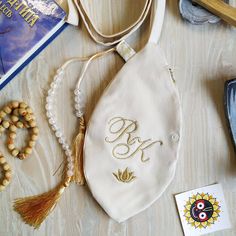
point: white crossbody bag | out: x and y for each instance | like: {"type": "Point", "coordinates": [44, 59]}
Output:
{"type": "Point", "coordinates": [132, 140]}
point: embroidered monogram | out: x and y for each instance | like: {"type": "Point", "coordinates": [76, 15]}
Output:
{"type": "Point", "coordinates": [125, 176]}
{"type": "Point", "coordinates": [122, 131]}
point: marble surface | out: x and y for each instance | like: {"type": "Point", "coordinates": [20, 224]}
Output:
{"type": "Point", "coordinates": [202, 58]}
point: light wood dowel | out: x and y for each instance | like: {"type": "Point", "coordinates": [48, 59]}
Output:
{"type": "Point", "coordinates": [220, 8]}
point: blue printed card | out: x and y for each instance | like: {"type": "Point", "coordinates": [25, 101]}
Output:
{"type": "Point", "coordinates": [26, 26]}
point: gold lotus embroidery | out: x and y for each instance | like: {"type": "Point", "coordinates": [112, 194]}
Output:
{"type": "Point", "coordinates": [121, 132]}
{"type": "Point", "coordinates": [125, 176]}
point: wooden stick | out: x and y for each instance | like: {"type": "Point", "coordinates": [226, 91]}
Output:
{"type": "Point", "coordinates": [220, 8]}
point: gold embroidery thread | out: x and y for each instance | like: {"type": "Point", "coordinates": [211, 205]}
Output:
{"type": "Point", "coordinates": [125, 176]}
{"type": "Point", "coordinates": [123, 129]}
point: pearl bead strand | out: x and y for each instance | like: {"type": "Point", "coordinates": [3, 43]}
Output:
{"type": "Point", "coordinates": [52, 121]}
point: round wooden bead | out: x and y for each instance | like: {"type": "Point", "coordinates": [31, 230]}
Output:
{"type": "Point", "coordinates": [1, 128]}
{"type": "Point", "coordinates": [12, 135]}
{"type": "Point", "coordinates": [6, 167]}
{"type": "Point", "coordinates": [32, 123]}
{"type": "Point", "coordinates": [5, 182]}
{"type": "Point", "coordinates": [5, 124]}
{"type": "Point", "coordinates": [36, 130]}
{"type": "Point", "coordinates": [22, 112]}
{"type": "Point", "coordinates": [11, 146]}
{"type": "Point", "coordinates": [26, 125]}
{"type": "Point", "coordinates": [16, 112]}
{"type": "Point", "coordinates": [34, 137]}
{"type": "Point", "coordinates": [8, 174]}
{"type": "Point", "coordinates": [28, 150]}
{"type": "Point", "coordinates": [15, 104]}
{"type": "Point", "coordinates": [7, 109]}
{"type": "Point", "coordinates": [22, 155]}
{"type": "Point", "coordinates": [12, 128]}
{"type": "Point", "coordinates": [29, 110]}
{"type": "Point", "coordinates": [28, 117]}
{"type": "Point", "coordinates": [2, 160]}
{"type": "Point", "coordinates": [14, 118]}
{"type": "Point", "coordinates": [19, 124]}
{"type": "Point", "coordinates": [15, 152]}
{"type": "Point", "coordinates": [31, 143]}
{"type": "Point", "coordinates": [2, 114]}
{"type": "Point", "coordinates": [23, 105]}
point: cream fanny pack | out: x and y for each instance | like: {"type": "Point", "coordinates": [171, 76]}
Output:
{"type": "Point", "coordinates": [132, 139]}
{"type": "Point", "coordinates": [129, 152]}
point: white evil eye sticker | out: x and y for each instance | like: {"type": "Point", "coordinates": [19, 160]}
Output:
{"type": "Point", "coordinates": [200, 205]}
{"type": "Point", "coordinates": [202, 216]}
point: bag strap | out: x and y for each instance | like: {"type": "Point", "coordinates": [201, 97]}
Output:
{"type": "Point", "coordinates": [157, 16]}
{"type": "Point", "coordinates": [157, 20]}
{"type": "Point", "coordinates": [145, 9]}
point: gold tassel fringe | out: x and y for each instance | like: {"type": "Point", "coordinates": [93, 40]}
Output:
{"type": "Point", "coordinates": [78, 154]}
{"type": "Point", "coordinates": [34, 210]}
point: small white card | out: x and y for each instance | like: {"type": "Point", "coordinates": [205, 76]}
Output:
{"type": "Point", "coordinates": [203, 210]}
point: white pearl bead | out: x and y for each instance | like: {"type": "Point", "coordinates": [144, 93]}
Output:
{"type": "Point", "coordinates": [54, 127]}
{"type": "Point", "coordinates": [77, 106]}
{"type": "Point", "coordinates": [69, 173]}
{"type": "Point", "coordinates": [58, 134]}
{"type": "Point", "coordinates": [71, 169]}
{"type": "Point", "coordinates": [68, 152]}
{"type": "Point", "coordinates": [77, 99]}
{"type": "Point", "coordinates": [58, 79]}
{"type": "Point", "coordinates": [70, 165]}
{"type": "Point", "coordinates": [51, 121]}
{"type": "Point", "coordinates": [51, 92]}
{"type": "Point", "coordinates": [82, 109]}
{"type": "Point", "coordinates": [78, 114]}
{"type": "Point", "coordinates": [49, 114]}
{"type": "Point", "coordinates": [61, 140]}
{"type": "Point", "coordinates": [69, 159]}
{"type": "Point", "coordinates": [48, 107]}
{"type": "Point", "coordinates": [65, 146]}
{"type": "Point", "coordinates": [76, 92]}
{"type": "Point", "coordinates": [49, 99]}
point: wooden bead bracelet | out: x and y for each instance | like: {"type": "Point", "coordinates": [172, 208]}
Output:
{"type": "Point", "coordinates": [16, 115]}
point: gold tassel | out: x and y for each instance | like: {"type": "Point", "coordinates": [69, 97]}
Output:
{"type": "Point", "coordinates": [78, 154]}
{"type": "Point", "coordinates": [34, 210]}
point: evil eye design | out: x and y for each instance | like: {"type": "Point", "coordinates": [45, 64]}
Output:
{"type": "Point", "coordinates": [203, 216]}
{"type": "Point", "coordinates": [201, 210]}
{"type": "Point", "coordinates": [200, 205]}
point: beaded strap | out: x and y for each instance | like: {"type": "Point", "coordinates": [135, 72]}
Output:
{"type": "Point", "coordinates": [50, 101]}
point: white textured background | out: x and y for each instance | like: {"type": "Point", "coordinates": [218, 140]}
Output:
{"type": "Point", "coordinates": [202, 57]}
